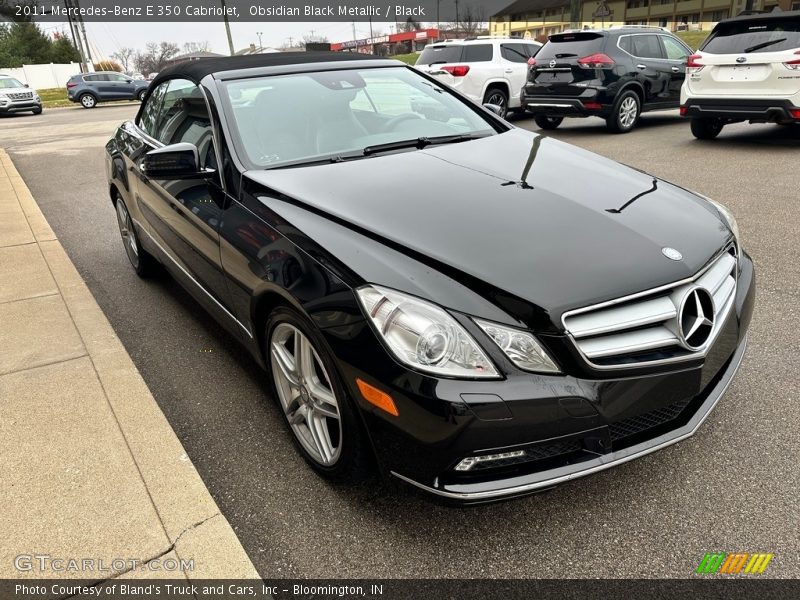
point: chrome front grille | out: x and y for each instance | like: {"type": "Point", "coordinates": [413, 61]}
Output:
{"type": "Point", "coordinates": [670, 323]}
{"type": "Point", "coordinates": [20, 95]}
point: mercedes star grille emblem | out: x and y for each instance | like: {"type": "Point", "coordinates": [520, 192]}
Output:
{"type": "Point", "coordinates": [696, 318]}
{"type": "Point", "coordinates": [671, 253]}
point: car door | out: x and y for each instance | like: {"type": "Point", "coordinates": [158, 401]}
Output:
{"type": "Point", "coordinates": [95, 83]}
{"type": "Point", "coordinates": [515, 67]}
{"type": "Point", "coordinates": [677, 54]}
{"type": "Point", "coordinates": [651, 68]}
{"type": "Point", "coordinates": [183, 215]}
{"type": "Point", "coordinates": [123, 86]}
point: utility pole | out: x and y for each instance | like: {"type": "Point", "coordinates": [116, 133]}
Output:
{"type": "Point", "coordinates": [575, 14]}
{"type": "Point", "coordinates": [259, 34]}
{"type": "Point", "coordinates": [456, 18]}
{"type": "Point", "coordinates": [354, 31]}
{"type": "Point", "coordinates": [438, 20]}
{"type": "Point", "coordinates": [76, 41]}
{"type": "Point", "coordinates": [81, 27]}
{"type": "Point", "coordinates": [291, 42]}
{"type": "Point", "coordinates": [227, 27]}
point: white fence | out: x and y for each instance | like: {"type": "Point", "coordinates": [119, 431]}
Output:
{"type": "Point", "coordinates": [41, 77]}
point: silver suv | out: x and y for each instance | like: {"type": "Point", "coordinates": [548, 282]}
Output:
{"type": "Point", "coordinates": [16, 96]}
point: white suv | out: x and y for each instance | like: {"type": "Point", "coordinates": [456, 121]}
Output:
{"type": "Point", "coordinates": [17, 97]}
{"type": "Point", "coordinates": [747, 70]}
{"type": "Point", "coordinates": [487, 70]}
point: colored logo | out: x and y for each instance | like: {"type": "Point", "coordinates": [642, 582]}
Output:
{"type": "Point", "coordinates": [734, 563]}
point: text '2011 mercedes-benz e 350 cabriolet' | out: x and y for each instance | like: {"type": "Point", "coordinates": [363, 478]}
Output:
{"type": "Point", "coordinates": [477, 310]}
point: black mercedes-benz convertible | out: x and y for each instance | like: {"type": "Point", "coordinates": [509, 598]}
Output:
{"type": "Point", "coordinates": [475, 309]}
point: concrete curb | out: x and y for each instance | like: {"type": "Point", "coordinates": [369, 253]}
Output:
{"type": "Point", "coordinates": [193, 527]}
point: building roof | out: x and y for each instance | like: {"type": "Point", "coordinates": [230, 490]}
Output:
{"type": "Point", "coordinates": [521, 7]}
{"type": "Point", "coordinates": [195, 70]}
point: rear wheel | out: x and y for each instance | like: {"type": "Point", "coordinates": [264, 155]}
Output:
{"type": "Point", "coordinates": [706, 129]}
{"type": "Point", "coordinates": [88, 101]}
{"type": "Point", "coordinates": [314, 402]}
{"type": "Point", "coordinates": [140, 96]}
{"type": "Point", "coordinates": [625, 113]}
{"type": "Point", "coordinates": [498, 97]}
{"type": "Point", "coordinates": [141, 260]}
{"type": "Point", "coordinates": [545, 122]}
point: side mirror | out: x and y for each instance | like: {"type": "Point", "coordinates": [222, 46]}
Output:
{"type": "Point", "coordinates": [129, 81]}
{"type": "Point", "coordinates": [498, 110]}
{"type": "Point", "coordinates": [26, 85]}
{"type": "Point", "coordinates": [176, 161]}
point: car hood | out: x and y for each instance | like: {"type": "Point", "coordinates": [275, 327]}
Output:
{"type": "Point", "coordinates": [518, 214]}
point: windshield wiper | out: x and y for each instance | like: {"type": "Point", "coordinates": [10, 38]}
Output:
{"type": "Point", "coordinates": [422, 142]}
{"type": "Point", "coordinates": [763, 45]}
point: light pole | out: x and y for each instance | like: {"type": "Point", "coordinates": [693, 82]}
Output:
{"type": "Point", "coordinates": [259, 34]}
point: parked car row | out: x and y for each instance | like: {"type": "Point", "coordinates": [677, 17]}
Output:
{"type": "Point", "coordinates": [748, 69]}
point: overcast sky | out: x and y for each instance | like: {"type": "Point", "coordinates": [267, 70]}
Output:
{"type": "Point", "coordinates": [107, 37]}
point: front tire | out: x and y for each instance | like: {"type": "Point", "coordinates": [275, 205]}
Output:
{"type": "Point", "coordinates": [314, 403]}
{"type": "Point", "coordinates": [88, 101]}
{"type": "Point", "coordinates": [498, 97]}
{"type": "Point", "coordinates": [37, 111]}
{"type": "Point", "coordinates": [141, 260]}
{"type": "Point", "coordinates": [545, 122]}
{"type": "Point", "coordinates": [625, 113]}
{"type": "Point", "coordinates": [706, 129]}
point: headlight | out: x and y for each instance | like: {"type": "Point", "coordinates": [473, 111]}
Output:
{"type": "Point", "coordinates": [520, 347]}
{"type": "Point", "coordinates": [728, 216]}
{"type": "Point", "coordinates": [424, 336]}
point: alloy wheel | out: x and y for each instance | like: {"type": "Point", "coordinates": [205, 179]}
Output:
{"type": "Point", "coordinates": [306, 394]}
{"type": "Point", "coordinates": [497, 99]}
{"type": "Point", "coordinates": [88, 101]}
{"type": "Point", "coordinates": [126, 231]}
{"type": "Point", "coordinates": [628, 111]}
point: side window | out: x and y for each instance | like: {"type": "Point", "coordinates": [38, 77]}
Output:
{"type": "Point", "coordinates": [514, 53]}
{"type": "Point", "coordinates": [185, 118]}
{"type": "Point", "coordinates": [647, 46]}
{"type": "Point", "coordinates": [626, 44]}
{"type": "Point", "coordinates": [478, 53]}
{"type": "Point", "coordinates": [117, 78]}
{"type": "Point", "coordinates": [91, 78]}
{"type": "Point", "coordinates": [149, 117]}
{"type": "Point", "coordinates": [531, 50]}
{"type": "Point", "coordinates": [673, 49]}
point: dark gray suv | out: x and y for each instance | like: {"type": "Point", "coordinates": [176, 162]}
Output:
{"type": "Point", "coordinates": [103, 86]}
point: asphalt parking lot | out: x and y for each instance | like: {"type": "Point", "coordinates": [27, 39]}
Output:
{"type": "Point", "coordinates": [732, 487]}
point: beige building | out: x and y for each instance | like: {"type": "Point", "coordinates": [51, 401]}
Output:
{"type": "Point", "coordinates": [539, 18]}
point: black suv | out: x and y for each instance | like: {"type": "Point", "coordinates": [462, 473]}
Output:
{"type": "Point", "coordinates": [615, 74]}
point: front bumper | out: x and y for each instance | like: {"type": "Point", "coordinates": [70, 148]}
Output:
{"type": "Point", "coordinates": [741, 109]}
{"type": "Point", "coordinates": [567, 426]}
{"type": "Point", "coordinates": [17, 106]}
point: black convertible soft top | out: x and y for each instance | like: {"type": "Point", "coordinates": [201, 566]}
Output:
{"type": "Point", "coordinates": [195, 70]}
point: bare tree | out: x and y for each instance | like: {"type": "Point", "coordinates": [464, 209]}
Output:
{"type": "Point", "coordinates": [155, 56]}
{"type": "Point", "coordinates": [202, 46]}
{"type": "Point", "coordinates": [471, 21]}
{"type": "Point", "coordinates": [125, 57]}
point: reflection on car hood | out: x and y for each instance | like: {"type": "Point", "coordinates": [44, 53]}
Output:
{"type": "Point", "coordinates": [536, 218]}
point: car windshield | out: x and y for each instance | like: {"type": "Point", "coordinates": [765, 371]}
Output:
{"type": "Point", "coordinates": [10, 82]}
{"type": "Point", "coordinates": [753, 36]}
{"type": "Point", "coordinates": [302, 118]}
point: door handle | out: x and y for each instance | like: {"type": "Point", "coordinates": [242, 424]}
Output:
{"type": "Point", "coordinates": [676, 69]}
{"type": "Point", "coordinates": [641, 67]}
{"type": "Point", "coordinates": [509, 70]}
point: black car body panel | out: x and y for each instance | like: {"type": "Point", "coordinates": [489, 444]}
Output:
{"type": "Point", "coordinates": [499, 228]}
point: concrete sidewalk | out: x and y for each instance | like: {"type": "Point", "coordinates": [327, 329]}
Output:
{"type": "Point", "coordinates": [89, 466]}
